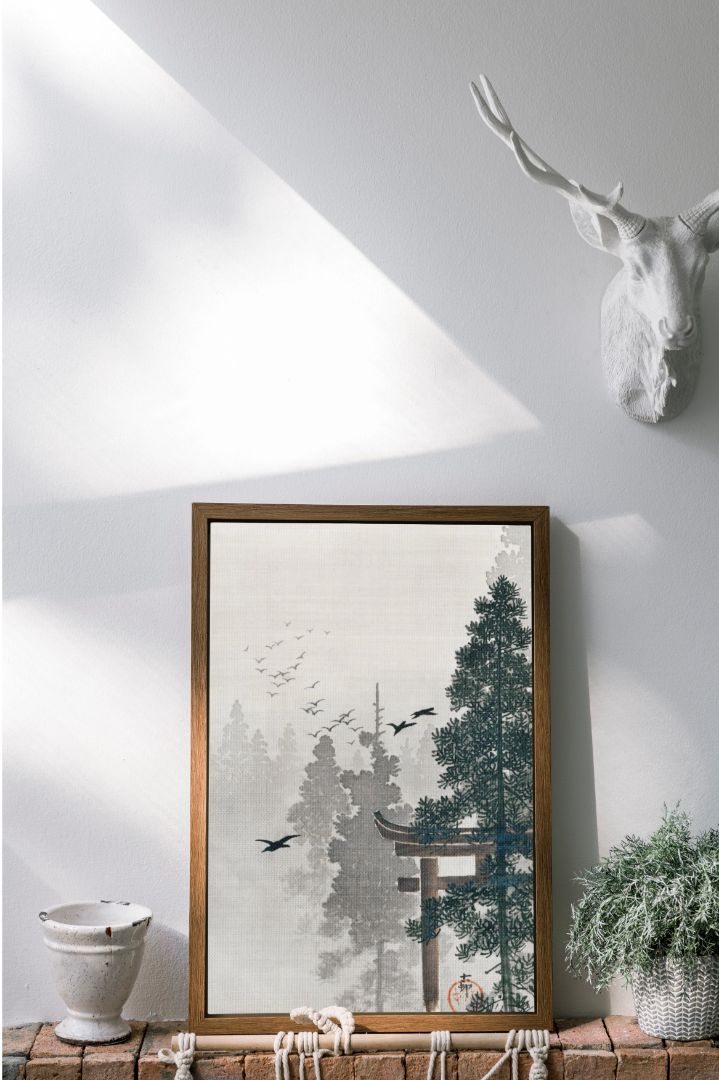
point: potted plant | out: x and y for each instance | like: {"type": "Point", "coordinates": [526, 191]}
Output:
{"type": "Point", "coordinates": [650, 915]}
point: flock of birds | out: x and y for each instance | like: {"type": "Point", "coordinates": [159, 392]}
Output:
{"type": "Point", "coordinates": [281, 678]}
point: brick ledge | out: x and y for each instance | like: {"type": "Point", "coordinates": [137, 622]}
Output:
{"type": "Point", "coordinates": [613, 1048]}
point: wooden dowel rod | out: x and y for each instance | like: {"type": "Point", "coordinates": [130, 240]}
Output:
{"type": "Point", "coordinates": [410, 1040]}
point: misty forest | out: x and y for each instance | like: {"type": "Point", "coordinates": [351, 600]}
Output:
{"type": "Point", "coordinates": [395, 850]}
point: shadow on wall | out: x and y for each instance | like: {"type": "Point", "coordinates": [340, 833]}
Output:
{"type": "Point", "coordinates": [575, 841]}
{"type": "Point", "coordinates": [165, 951]}
{"type": "Point", "coordinates": [220, 275]}
{"type": "Point", "coordinates": [89, 847]}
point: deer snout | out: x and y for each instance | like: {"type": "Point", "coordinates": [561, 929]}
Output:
{"type": "Point", "coordinates": [679, 334]}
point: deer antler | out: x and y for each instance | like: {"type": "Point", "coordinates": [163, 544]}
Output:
{"type": "Point", "coordinates": [495, 116]}
{"type": "Point", "coordinates": [697, 218]}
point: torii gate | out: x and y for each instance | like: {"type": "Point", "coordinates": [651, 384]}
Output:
{"type": "Point", "coordinates": [429, 884]}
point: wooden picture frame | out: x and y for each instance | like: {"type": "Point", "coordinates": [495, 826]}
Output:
{"type": "Point", "coordinates": [236, 544]}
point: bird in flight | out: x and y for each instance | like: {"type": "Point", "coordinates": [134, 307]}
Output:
{"type": "Point", "coordinates": [261, 670]}
{"type": "Point", "coordinates": [400, 727]}
{"type": "Point", "coordinates": [315, 734]}
{"type": "Point", "coordinates": [246, 648]}
{"type": "Point", "coordinates": [314, 711]}
{"type": "Point", "coordinates": [301, 656]}
{"type": "Point", "coordinates": [260, 659]}
{"type": "Point", "coordinates": [293, 667]}
{"type": "Point", "coordinates": [326, 631]}
{"type": "Point", "coordinates": [316, 703]}
{"type": "Point", "coordinates": [310, 629]}
{"type": "Point", "coordinates": [273, 693]}
{"type": "Point", "coordinates": [424, 712]}
{"type": "Point", "coordinates": [275, 845]}
{"type": "Point", "coordinates": [344, 715]}
{"type": "Point", "coordinates": [313, 685]}
{"type": "Point", "coordinates": [298, 637]}
{"type": "Point", "coordinates": [288, 622]}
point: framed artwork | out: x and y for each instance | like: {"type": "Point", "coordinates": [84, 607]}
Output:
{"type": "Point", "coordinates": [370, 766]}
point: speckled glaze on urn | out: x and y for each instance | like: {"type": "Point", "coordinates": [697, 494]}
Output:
{"type": "Point", "coordinates": [96, 950]}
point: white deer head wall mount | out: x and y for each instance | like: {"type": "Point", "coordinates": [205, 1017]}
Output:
{"type": "Point", "coordinates": [651, 334]}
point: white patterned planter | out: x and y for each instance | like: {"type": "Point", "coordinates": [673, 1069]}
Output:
{"type": "Point", "coordinates": [96, 950]}
{"type": "Point", "coordinates": [673, 1004]}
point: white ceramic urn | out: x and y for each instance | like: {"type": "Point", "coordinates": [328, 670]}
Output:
{"type": "Point", "coordinates": [96, 950]}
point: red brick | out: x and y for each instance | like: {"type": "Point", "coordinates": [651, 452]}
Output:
{"type": "Point", "coordinates": [589, 1065]}
{"type": "Point", "coordinates": [132, 1044]}
{"type": "Point", "coordinates": [218, 1067]}
{"type": "Point", "coordinates": [334, 1068]}
{"type": "Point", "coordinates": [625, 1033]}
{"type": "Point", "coordinates": [416, 1065]}
{"type": "Point", "coordinates": [47, 1045]}
{"type": "Point", "coordinates": [18, 1040]}
{"type": "Point", "coordinates": [583, 1035]}
{"type": "Point", "coordinates": [151, 1068]}
{"type": "Point", "coordinates": [379, 1067]}
{"type": "Point", "coordinates": [107, 1066]}
{"type": "Point", "coordinates": [692, 1062]}
{"type": "Point", "coordinates": [555, 1065]}
{"type": "Point", "coordinates": [259, 1067]}
{"type": "Point", "coordinates": [159, 1035]}
{"type": "Point", "coordinates": [13, 1067]}
{"type": "Point", "coordinates": [58, 1068]}
{"type": "Point", "coordinates": [473, 1064]}
{"type": "Point", "coordinates": [641, 1064]}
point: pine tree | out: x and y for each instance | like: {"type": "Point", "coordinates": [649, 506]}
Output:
{"type": "Point", "coordinates": [228, 760]}
{"type": "Point", "coordinates": [322, 799]}
{"type": "Point", "coordinates": [287, 764]}
{"type": "Point", "coordinates": [364, 900]}
{"type": "Point", "coordinates": [486, 759]}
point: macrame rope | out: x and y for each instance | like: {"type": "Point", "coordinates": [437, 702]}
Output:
{"type": "Point", "coordinates": [536, 1043]}
{"type": "Point", "coordinates": [339, 1022]}
{"type": "Point", "coordinates": [332, 1020]}
{"type": "Point", "coordinates": [441, 1043]}
{"type": "Point", "coordinates": [184, 1057]}
{"type": "Point", "coordinates": [282, 1054]}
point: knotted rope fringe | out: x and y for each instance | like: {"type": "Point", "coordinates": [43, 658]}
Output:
{"type": "Point", "coordinates": [536, 1043]}
{"type": "Point", "coordinates": [308, 1042]}
{"type": "Point", "coordinates": [441, 1043]}
{"type": "Point", "coordinates": [183, 1058]}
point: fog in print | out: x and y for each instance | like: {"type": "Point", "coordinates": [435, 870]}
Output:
{"type": "Point", "coordinates": [370, 819]}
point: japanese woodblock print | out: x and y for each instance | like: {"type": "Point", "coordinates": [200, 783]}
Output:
{"type": "Point", "coordinates": [370, 768]}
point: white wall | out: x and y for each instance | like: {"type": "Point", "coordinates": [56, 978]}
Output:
{"type": "Point", "coordinates": [267, 251]}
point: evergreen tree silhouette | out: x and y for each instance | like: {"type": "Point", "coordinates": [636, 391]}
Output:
{"type": "Point", "coordinates": [287, 763]}
{"type": "Point", "coordinates": [486, 759]}
{"type": "Point", "coordinates": [228, 761]}
{"type": "Point", "coordinates": [322, 799]}
{"type": "Point", "coordinates": [364, 901]}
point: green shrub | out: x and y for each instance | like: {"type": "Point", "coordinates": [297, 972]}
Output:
{"type": "Point", "coordinates": [648, 899]}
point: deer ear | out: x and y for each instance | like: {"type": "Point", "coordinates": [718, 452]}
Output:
{"type": "Point", "coordinates": [596, 229]}
{"type": "Point", "coordinates": [711, 233]}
